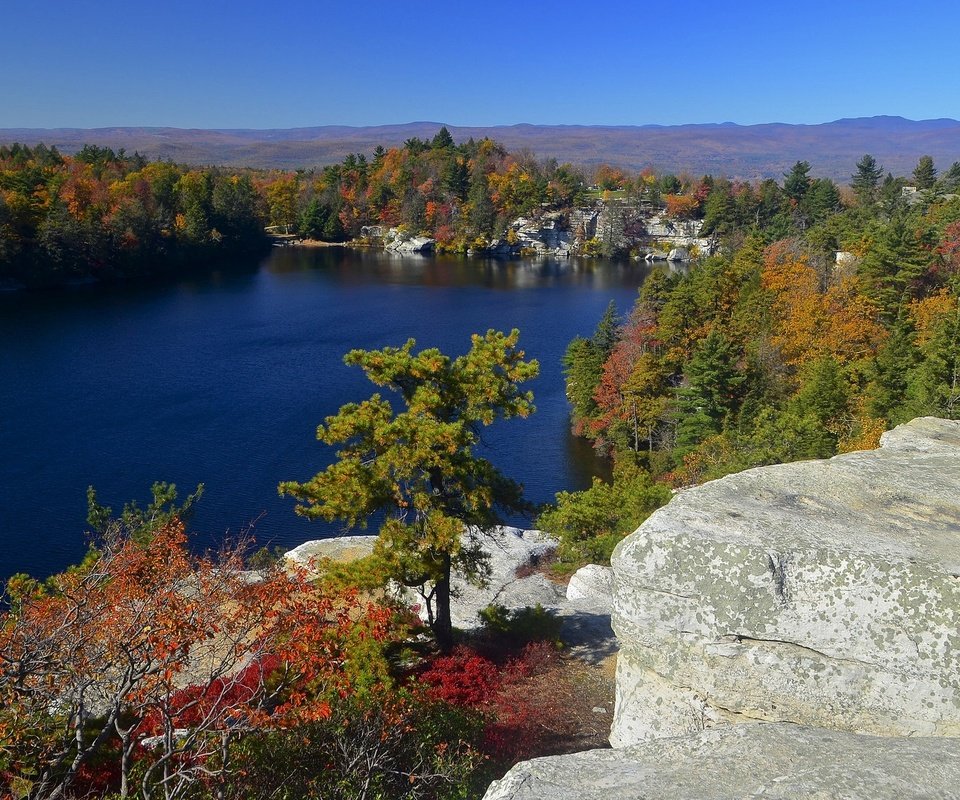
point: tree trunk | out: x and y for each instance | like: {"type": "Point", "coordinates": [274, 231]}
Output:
{"type": "Point", "coordinates": [442, 624]}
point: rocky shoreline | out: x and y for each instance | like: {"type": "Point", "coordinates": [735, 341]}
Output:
{"type": "Point", "coordinates": [605, 227]}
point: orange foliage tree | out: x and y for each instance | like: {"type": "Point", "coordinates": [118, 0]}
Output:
{"type": "Point", "coordinates": [149, 661]}
{"type": "Point", "coordinates": [810, 323]}
{"type": "Point", "coordinates": [681, 206]}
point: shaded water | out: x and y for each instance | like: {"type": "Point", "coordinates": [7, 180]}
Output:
{"type": "Point", "coordinates": [223, 379]}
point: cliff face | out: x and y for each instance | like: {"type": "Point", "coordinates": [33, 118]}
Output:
{"type": "Point", "coordinates": [820, 593]}
{"type": "Point", "coordinates": [825, 594]}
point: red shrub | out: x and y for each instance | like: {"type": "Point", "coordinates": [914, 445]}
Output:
{"type": "Point", "coordinates": [462, 678]}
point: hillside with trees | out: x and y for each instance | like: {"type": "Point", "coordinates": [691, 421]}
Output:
{"type": "Point", "coordinates": [753, 152]}
{"type": "Point", "coordinates": [101, 215]}
{"type": "Point", "coordinates": [829, 315]}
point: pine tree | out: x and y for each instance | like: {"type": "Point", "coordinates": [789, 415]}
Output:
{"type": "Point", "coordinates": [893, 266]}
{"type": "Point", "coordinates": [415, 469]}
{"type": "Point", "coordinates": [925, 174]}
{"type": "Point", "coordinates": [933, 386]}
{"type": "Point", "coordinates": [824, 394]}
{"type": "Point", "coordinates": [950, 180]}
{"type": "Point", "coordinates": [583, 368]}
{"type": "Point", "coordinates": [797, 181]}
{"type": "Point", "coordinates": [866, 179]}
{"type": "Point", "coordinates": [712, 390]}
{"type": "Point", "coordinates": [888, 372]}
{"type": "Point", "coordinates": [442, 140]}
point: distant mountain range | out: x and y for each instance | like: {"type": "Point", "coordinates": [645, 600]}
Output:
{"type": "Point", "coordinates": [737, 151]}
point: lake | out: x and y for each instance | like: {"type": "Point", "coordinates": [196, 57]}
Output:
{"type": "Point", "coordinates": [223, 378]}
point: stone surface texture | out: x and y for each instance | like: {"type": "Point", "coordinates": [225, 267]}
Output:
{"type": "Point", "coordinates": [822, 593]}
{"type": "Point", "coordinates": [338, 548]}
{"type": "Point", "coordinates": [592, 583]}
{"type": "Point", "coordinates": [769, 761]}
{"type": "Point", "coordinates": [508, 549]}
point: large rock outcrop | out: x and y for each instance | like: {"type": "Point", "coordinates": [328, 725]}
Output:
{"type": "Point", "coordinates": [513, 582]}
{"type": "Point", "coordinates": [824, 593]}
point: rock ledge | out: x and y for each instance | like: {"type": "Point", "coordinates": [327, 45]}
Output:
{"type": "Point", "coordinates": [774, 762]}
{"type": "Point", "coordinates": [823, 593]}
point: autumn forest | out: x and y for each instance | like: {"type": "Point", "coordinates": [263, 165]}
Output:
{"type": "Point", "coordinates": [826, 314]}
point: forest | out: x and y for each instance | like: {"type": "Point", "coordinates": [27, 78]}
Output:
{"type": "Point", "coordinates": [825, 319]}
{"type": "Point", "coordinates": [828, 314]}
{"type": "Point", "coordinates": [101, 215]}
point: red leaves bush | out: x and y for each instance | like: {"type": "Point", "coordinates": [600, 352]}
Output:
{"type": "Point", "coordinates": [464, 678]}
{"type": "Point", "coordinates": [515, 697]}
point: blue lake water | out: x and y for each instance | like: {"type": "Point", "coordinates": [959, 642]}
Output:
{"type": "Point", "coordinates": [223, 379]}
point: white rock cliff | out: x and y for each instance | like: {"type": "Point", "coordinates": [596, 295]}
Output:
{"type": "Point", "coordinates": [824, 594]}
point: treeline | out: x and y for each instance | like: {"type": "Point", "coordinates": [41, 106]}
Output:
{"type": "Point", "coordinates": [777, 350]}
{"type": "Point", "coordinates": [465, 195]}
{"type": "Point", "coordinates": [105, 215]}
{"type": "Point", "coordinates": [454, 193]}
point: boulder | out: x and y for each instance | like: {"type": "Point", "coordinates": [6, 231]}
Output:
{"type": "Point", "coordinates": [585, 617]}
{"type": "Point", "coordinates": [416, 244]}
{"type": "Point", "coordinates": [510, 549]}
{"type": "Point", "coordinates": [678, 254]}
{"type": "Point", "coordinates": [592, 583]}
{"type": "Point", "coordinates": [821, 593]}
{"type": "Point", "coordinates": [338, 548]}
{"type": "Point", "coordinates": [774, 762]}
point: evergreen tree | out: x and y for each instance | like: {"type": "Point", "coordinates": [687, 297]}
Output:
{"type": "Point", "coordinates": [481, 211]}
{"type": "Point", "coordinates": [866, 179]}
{"type": "Point", "coordinates": [719, 210]}
{"type": "Point", "coordinates": [797, 181]}
{"type": "Point", "coordinates": [333, 227]}
{"type": "Point", "coordinates": [887, 387]}
{"type": "Point", "coordinates": [950, 180]}
{"type": "Point", "coordinates": [455, 178]}
{"type": "Point", "coordinates": [925, 174]}
{"type": "Point", "coordinates": [417, 466]}
{"type": "Point", "coordinates": [442, 140]}
{"type": "Point", "coordinates": [313, 221]}
{"type": "Point", "coordinates": [823, 394]}
{"type": "Point", "coordinates": [894, 264]}
{"type": "Point", "coordinates": [607, 332]}
{"type": "Point", "coordinates": [711, 391]}
{"type": "Point", "coordinates": [822, 200]}
{"type": "Point", "coordinates": [933, 386]}
{"type": "Point", "coordinates": [583, 368]}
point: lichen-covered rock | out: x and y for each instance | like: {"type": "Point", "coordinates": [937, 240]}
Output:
{"type": "Point", "coordinates": [773, 762]}
{"type": "Point", "coordinates": [508, 550]}
{"type": "Point", "coordinates": [824, 593]}
{"type": "Point", "coordinates": [592, 583]}
{"type": "Point", "coordinates": [337, 548]}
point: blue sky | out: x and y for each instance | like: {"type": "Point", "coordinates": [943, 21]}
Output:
{"type": "Point", "coordinates": [209, 63]}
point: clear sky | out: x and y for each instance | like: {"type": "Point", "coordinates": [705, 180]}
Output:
{"type": "Point", "coordinates": [211, 63]}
